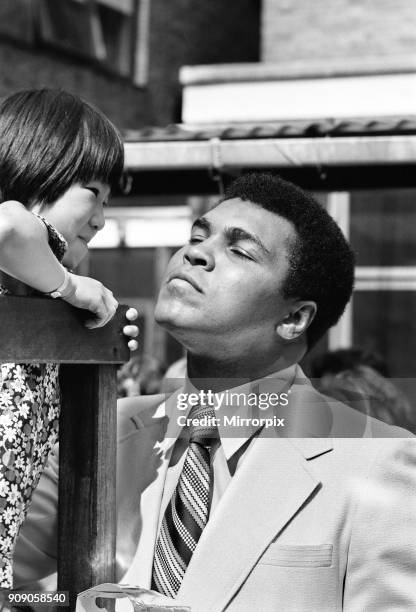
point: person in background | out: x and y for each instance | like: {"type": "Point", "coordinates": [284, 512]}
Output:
{"type": "Point", "coordinates": [142, 375]}
{"type": "Point", "coordinates": [340, 360]}
{"type": "Point", "coordinates": [60, 158]}
{"type": "Point", "coordinates": [360, 379]}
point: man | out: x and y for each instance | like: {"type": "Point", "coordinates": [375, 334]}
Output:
{"type": "Point", "coordinates": [302, 514]}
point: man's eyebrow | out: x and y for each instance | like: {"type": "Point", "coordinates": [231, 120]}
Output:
{"type": "Point", "coordinates": [202, 223]}
{"type": "Point", "coordinates": [234, 234]}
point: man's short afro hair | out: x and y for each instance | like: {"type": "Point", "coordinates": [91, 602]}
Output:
{"type": "Point", "coordinates": [321, 262]}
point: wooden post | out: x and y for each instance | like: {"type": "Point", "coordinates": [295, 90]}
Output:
{"type": "Point", "coordinates": [43, 330]}
{"type": "Point", "coordinates": [86, 544]}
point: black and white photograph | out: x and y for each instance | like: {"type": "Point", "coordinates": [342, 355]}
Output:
{"type": "Point", "coordinates": [208, 305]}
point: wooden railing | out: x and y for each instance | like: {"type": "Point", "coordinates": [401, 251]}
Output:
{"type": "Point", "coordinates": [42, 330]}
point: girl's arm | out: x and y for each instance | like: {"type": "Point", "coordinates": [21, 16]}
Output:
{"type": "Point", "coordinates": [25, 254]}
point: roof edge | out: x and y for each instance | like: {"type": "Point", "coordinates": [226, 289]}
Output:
{"type": "Point", "coordinates": [301, 69]}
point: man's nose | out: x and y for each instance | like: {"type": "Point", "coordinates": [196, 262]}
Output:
{"type": "Point", "coordinates": [199, 255]}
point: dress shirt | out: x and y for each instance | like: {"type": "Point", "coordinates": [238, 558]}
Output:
{"type": "Point", "coordinates": [233, 445]}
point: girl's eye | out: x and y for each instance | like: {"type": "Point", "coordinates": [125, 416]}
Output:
{"type": "Point", "coordinates": [94, 190]}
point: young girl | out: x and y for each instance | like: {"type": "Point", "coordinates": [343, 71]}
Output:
{"type": "Point", "coordinates": [59, 160]}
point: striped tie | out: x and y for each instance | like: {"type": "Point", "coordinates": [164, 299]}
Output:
{"type": "Point", "coordinates": [187, 511]}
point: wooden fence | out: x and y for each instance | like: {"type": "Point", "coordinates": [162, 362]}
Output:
{"type": "Point", "coordinates": [42, 330]}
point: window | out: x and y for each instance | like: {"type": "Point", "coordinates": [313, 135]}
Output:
{"type": "Point", "coordinates": [111, 33]}
{"type": "Point", "coordinates": [381, 226]}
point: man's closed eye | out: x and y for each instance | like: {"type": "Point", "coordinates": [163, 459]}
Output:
{"type": "Point", "coordinates": [241, 253]}
{"type": "Point", "coordinates": [196, 239]}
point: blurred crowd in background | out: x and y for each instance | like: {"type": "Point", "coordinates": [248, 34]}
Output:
{"type": "Point", "coordinates": [354, 376]}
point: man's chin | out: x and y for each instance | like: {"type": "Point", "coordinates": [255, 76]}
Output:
{"type": "Point", "coordinates": [166, 319]}
{"type": "Point", "coordinates": [175, 323]}
{"type": "Point", "coordinates": [168, 312]}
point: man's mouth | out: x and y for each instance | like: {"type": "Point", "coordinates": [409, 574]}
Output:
{"type": "Point", "coordinates": [185, 277]}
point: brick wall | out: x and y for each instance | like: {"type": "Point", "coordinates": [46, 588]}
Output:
{"type": "Point", "coordinates": [181, 32]}
{"type": "Point", "coordinates": [187, 32]}
{"type": "Point", "coordinates": [330, 29]}
{"type": "Point", "coordinates": [23, 68]}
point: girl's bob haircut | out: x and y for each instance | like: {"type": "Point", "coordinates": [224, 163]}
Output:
{"type": "Point", "coordinates": [51, 139]}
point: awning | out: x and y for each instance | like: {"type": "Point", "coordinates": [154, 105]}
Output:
{"type": "Point", "coordinates": [326, 154]}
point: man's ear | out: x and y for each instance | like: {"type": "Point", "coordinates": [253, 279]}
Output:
{"type": "Point", "coordinates": [297, 321]}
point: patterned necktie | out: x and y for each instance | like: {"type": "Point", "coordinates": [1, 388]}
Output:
{"type": "Point", "coordinates": [187, 511]}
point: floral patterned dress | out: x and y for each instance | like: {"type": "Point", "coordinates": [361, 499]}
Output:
{"type": "Point", "coordinates": [29, 418]}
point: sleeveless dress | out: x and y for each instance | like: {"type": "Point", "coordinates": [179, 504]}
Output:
{"type": "Point", "coordinates": [29, 420]}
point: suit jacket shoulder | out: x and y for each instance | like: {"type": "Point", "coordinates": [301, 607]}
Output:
{"type": "Point", "coordinates": [135, 413]}
{"type": "Point", "coordinates": [322, 416]}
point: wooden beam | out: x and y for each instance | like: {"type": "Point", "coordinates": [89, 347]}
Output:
{"type": "Point", "coordinates": [87, 468]}
{"type": "Point", "coordinates": [272, 152]}
{"type": "Point", "coordinates": [46, 330]}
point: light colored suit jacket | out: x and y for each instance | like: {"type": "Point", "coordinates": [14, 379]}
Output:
{"type": "Point", "coordinates": [306, 524]}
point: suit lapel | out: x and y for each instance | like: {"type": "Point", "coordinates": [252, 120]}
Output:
{"type": "Point", "coordinates": [142, 504]}
{"type": "Point", "coordinates": [269, 488]}
{"type": "Point", "coordinates": [146, 451]}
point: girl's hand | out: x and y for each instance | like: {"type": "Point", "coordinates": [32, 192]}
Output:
{"type": "Point", "coordinates": [132, 331]}
{"type": "Point", "coordinates": [90, 294]}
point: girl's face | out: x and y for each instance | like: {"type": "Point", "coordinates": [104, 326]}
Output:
{"type": "Point", "coordinates": [78, 215]}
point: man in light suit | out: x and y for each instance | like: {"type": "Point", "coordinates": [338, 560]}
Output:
{"type": "Point", "coordinates": [315, 513]}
